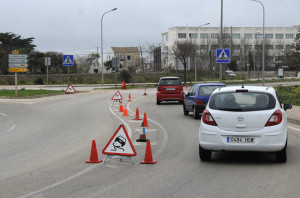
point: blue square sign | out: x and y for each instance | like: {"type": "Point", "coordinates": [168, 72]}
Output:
{"type": "Point", "coordinates": [223, 56]}
{"type": "Point", "coordinates": [68, 60]}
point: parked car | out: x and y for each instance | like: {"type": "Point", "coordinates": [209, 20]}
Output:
{"type": "Point", "coordinates": [196, 99]}
{"type": "Point", "coordinates": [169, 89]}
{"type": "Point", "coordinates": [249, 118]}
{"type": "Point", "coordinates": [230, 73]}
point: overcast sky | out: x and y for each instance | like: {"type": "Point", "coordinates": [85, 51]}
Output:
{"type": "Point", "coordinates": [73, 26]}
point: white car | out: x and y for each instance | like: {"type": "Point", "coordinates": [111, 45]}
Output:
{"type": "Point", "coordinates": [230, 73]}
{"type": "Point", "coordinates": [239, 118]}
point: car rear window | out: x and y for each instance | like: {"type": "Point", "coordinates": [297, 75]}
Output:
{"type": "Point", "coordinates": [242, 101]}
{"type": "Point", "coordinates": [207, 90]}
{"type": "Point", "coordinates": [169, 81]}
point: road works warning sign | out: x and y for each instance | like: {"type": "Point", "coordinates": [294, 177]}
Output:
{"type": "Point", "coordinates": [70, 89]}
{"type": "Point", "coordinates": [120, 144]}
{"type": "Point", "coordinates": [223, 56]}
{"type": "Point", "coordinates": [117, 96]}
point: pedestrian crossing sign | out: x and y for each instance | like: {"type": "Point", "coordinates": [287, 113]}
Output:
{"type": "Point", "coordinates": [68, 60]}
{"type": "Point", "coordinates": [223, 56]}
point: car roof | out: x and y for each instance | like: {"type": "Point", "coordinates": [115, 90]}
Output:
{"type": "Point", "coordinates": [249, 88]}
{"type": "Point", "coordinates": [169, 77]}
{"type": "Point", "coordinates": [210, 84]}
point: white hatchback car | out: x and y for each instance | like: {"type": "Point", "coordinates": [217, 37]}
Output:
{"type": "Point", "coordinates": [247, 118]}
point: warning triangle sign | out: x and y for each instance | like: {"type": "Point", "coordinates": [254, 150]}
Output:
{"type": "Point", "coordinates": [70, 89]}
{"type": "Point", "coordinates": [223, 56]}
{"type": "Point", "coordinates": [68, 60]}
{"type": "Point", "coordinates": [120, 144]}
{"type": "Point", "coordinates": [117, 96]}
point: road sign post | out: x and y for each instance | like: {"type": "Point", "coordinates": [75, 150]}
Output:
{"type": "Point", "coordinates": [116, 64]}
{"type": "Point", "coordinates": [17, 63]}
{"type": "Point", "coordinates": [68, 60]}
{"type": "Point", "coordinates": [222, 56]}
{"type": "Point", "coordinates": [47, 63]}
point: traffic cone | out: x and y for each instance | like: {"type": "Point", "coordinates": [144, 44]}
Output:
{"type": "Point", "coordinates": [123, 85]}
{"type": "Point", "coordinates": [121, 107]}
{"type": "Point", "coordinates": [94, 154]}
{"type": "Point", "coordinates": [145, 121]}
{"type": "Point", "coordinates": [145, 93]}
{"type": "Point", "coordinates": [125, 111]}
{"type": "Point", "coordinates": [142, 136]}
{"type": "Point", "coordinates": [129, 100]}
{"type": "Point", "coordinates": [137, 116]}
{"type": "Point", "coordinates": [148, 155]}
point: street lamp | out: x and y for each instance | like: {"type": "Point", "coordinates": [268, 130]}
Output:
{"type": "Point", "coordinates": [199, 49]}
{"type": "Point", "coordinates": [263, 52]}
{"type": "Point", "coordinates": [102, 78]}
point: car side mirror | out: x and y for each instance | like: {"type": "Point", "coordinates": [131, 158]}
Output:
{"type": "Point", "coordinates": [287, 106]}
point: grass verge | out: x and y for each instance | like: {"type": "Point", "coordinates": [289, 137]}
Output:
{"type": "Point", "coordinates": [24, 93]}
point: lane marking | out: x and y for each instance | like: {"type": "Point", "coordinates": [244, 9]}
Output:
{"type": "Point", "coordinates": [11, 128]}
{"type": "Point", "coordinates": [62, 181]}
{"type": "Point", "coordinates": [293, 128]}
{"type": "Point", "coordinates": [122, 120]}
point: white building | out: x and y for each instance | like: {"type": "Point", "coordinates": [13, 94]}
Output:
{"type": "Point", "coordinates": [241, 41]}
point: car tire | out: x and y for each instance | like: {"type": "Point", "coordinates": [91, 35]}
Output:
{"type": "Point", "coordinates": [196, 114]}
{"type": "Point", "coordinates": [157, 102]}
{"type": "Point", "coordinates": [185, 112]}
{"type": "Point", "coordinates": [205, 155]}
{"type": "Point", "coordinates": [281, 155]}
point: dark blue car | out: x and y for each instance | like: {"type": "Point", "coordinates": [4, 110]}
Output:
{"type": "Point", "coordinates": [196, 99]}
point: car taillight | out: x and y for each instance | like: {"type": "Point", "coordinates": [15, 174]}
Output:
{"type": "Point", "coordinates": [199, 101]}
{"type": "Point", "coordinates": [158, 88]}
{"type": "Point", "coordinates": [275, 119]}
{"type": "Point", "coordinates": [208, 119]}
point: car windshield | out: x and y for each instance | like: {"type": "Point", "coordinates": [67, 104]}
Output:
{"type": "Point", "coordinates": [207, 90]}
{"type": "Point", "coordinates": [242, 101]}
{"type": "Point", "coordinates": [168, 82]}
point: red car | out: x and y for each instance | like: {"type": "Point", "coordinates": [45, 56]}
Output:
{"type": "Point", "coordinates": [169, 89]}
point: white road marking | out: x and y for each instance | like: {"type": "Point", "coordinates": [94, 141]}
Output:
{"type": "Point", "coordinates": [62, 181]}
{"type": "Point", "coordinates": [3, 114]}
{"type": "Point", "coordinates": [293, 128]}
{"type": "Point", "coordinates": [11, 128]}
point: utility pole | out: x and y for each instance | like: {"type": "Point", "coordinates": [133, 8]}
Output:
{"type": "Point", "coordinates": [142, 59]}
{"type": "Point", "coordinates": [221, 39]}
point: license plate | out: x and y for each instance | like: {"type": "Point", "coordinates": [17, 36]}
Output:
{"type": "Point", "coordinates": [235, 139]}
{"type": "Point", "coordinates": [170, 89]}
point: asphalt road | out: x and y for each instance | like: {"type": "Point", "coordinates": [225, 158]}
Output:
{"type": "Point", "coordinates": [45, 142]}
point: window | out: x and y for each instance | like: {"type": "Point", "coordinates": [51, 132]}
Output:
{"type": "Point", "coordinates": [279, 36]}
{"type": "Point", "coordinates": [236, 36]}
{"type": "Point", "coordinates": [181, 35]}
{"type": "Point", "coordinates": [207, 90]}
{"type": "Point", "coordinates": [289, 47]}
{"type": "Point", "coordinates": [204, 35]}
{"type": "Point", "coordinates": [279, 47]}
{"type": "Point", "coordinates": [259, 36]}
{"type": "Point", "coordinates": [289, 36]}
{"type": "Point", "coordinates": [269, 47]}
{"type": "Point", "coordinates": [258, 47]}
{"type": "Point", "coordinates": [128, 57]}
{"type": "Point", "coordinates": [248, 36]}
{"type": "Point", "coordinates": [204, 47]}
{"type": "Point", "coordinates": [214, 47]}
{"type": "Point", "coordinates": [226, 35]}
{"type": "Point", "coordinates": [193, 35]}
{"type": "Point", "coordinates": [268, 36]}
{"type": "Point", "coordinates": [214, 35]}
{"type": "Point", "coordinates": [236, 47]}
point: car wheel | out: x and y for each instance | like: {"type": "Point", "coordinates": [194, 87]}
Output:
{"type": "Point", "coordinates": [196, 114]}
{"type": "Point", "coordinates": [185, 112]}
{"type": "Point", "coordinates": [281, 155]}
{"type": "Point", "coordinates": [157, 102]}
{"type": "Point", "coordinates": [205, 155]}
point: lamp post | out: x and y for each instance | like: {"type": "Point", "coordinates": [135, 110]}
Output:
{"type": "Point", "coordinates": [199, 49]}
{"type": "Point", "coordinates": [102, 76]}
{"type": "Point", "coordinates": [263, 44]}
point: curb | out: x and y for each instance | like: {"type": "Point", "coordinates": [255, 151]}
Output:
{"type": "Point", "coordinates": [293, 120]}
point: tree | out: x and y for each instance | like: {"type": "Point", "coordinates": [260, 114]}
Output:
{"type": "Point", "coordinates": [182, 50]}
{"type": "Point", "coordinates": [10, 42]}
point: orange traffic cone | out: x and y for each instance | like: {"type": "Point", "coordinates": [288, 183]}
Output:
{"type": "Point", "coordinates": [125, 111]}
{"type": "Point", "coordinates": [145, 93]}
{"type": "Point", "coordinates": [142, 136]}
{"type": "Point", "coordinates": [123, 85]}
{"type": "Point", "coordinates": [145, 121]}
{"type": "Point", "coordinates": [148, 155]}
{"type": "Point", "coordinates": [137, 116]}
{"type": "Point", "coordinates": [94, 154]}
{"type": "Point", "coordinates": [121, 107]}
{"type": "Point", "coordinates": [129, 100]}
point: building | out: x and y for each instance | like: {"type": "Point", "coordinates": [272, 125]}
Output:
{"type": "Point", "coordinates": [245, 44]}
{"type": "Point", "coordinates": [130, 57]}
